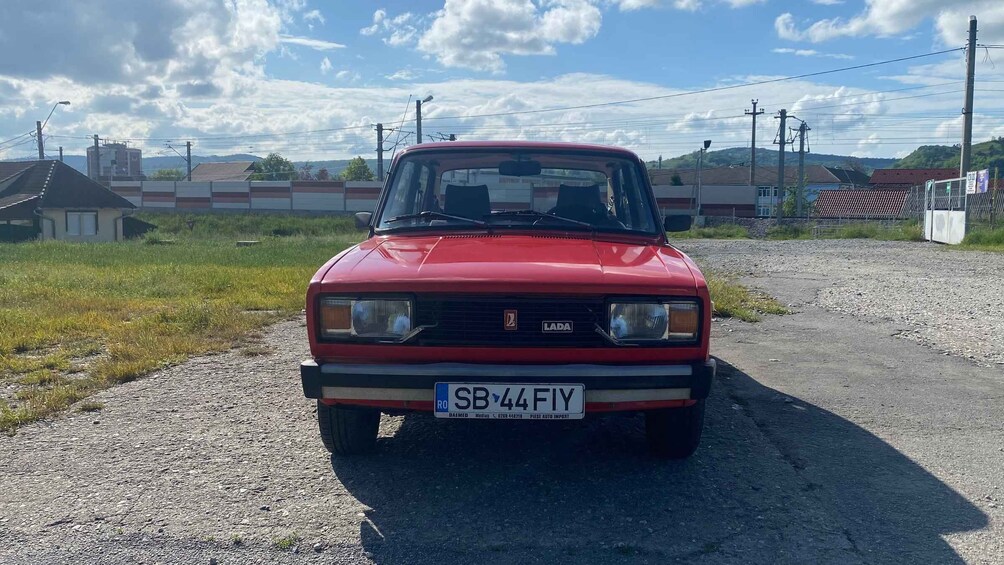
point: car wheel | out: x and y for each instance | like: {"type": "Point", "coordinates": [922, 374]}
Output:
{"type": "Point", "coordinates": [675, 433]}
{"type": "Point", "coordinates": [348, 430]}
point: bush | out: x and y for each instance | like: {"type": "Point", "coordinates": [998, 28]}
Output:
{"type": "Point", "coordinates": [985, 237]}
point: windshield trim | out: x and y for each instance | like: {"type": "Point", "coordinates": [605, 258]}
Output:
{"type": "Point", "coordinates": [612, 153]}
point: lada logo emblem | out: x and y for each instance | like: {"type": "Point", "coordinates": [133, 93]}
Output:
{"type": "Point", "coordinates": [550, 327]}
{"type": "Point", "coordinates": [510, 320]}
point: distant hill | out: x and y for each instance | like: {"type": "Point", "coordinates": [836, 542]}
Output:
{"type": "Point", "coordinates": [740, 156]}
{"type": "Point", "coordinates": [986, 155]}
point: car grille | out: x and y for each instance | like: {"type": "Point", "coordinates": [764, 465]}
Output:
{"type": "Point", "coordinates": [479, 321]}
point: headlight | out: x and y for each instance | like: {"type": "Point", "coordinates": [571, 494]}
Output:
{"type": "Point", "coordinates": [646, 321]}
{"type": "Point", "coordinates": [365, 318]}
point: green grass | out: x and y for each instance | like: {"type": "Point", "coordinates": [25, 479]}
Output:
{"type": "Point", "coordinates": [286, 542]}
{"type": "Point", "coordinates": [728, 231]}
{"type": "Point", "coordinates": [905, 231]}
{"type": "Point", "coordinates": [789, 231]}
{"type": "Point", "coordinates": [983, 238]}
{"type": "Point", "coordinates": [733, 300]}
{"type": "Point", "coordinates": [114, 312]}
{"type": "Point", "coordinates": [244, 226]}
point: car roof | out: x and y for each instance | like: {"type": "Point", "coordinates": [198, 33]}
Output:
{"type": "Point", "coordinates": [521, 145]}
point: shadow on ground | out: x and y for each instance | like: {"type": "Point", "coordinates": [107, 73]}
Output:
{"type": "Point", "coordinates": [774, 481]}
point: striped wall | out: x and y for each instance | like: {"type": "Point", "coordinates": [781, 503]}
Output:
{"type": "Point", "coordinates": [301, 196]}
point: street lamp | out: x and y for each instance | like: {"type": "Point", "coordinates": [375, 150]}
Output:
{"type": "Point", "coordinates": [700, 165]}
{"type": "Point", "coordinates": [418, 117]}
{"type": "Point", "coordinates": [39, 126]}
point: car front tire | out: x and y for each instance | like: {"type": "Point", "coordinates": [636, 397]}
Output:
{"type": "Point", "coordinates": [348, 430]}
{"type": "Point", "coordinates": [675, 433]}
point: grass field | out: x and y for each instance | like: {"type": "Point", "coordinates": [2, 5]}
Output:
{"type": "Point", "coordinates": [79, 318]}
{"type": "Point", "coordinates": [983, 238]}
{"type": "Point", "coordinates": [904, 231]}
{"type": "Point", "coordinates": [731, 231]}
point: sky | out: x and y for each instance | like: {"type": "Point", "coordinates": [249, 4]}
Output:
{"type": "Point", "coordinates": [310, 78]}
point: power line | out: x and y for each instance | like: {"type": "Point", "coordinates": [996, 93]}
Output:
{"type": "Point", "coordinates": [702, 91]}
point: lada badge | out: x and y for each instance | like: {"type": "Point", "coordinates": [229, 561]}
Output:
{"type": "Point", "coordinates": [510, 320]}
{"type": "Point", "coordinates": [556, 327]}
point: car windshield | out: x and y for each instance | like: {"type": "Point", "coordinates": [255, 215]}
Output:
{"type": "Point", "coordinates": [518, 190]}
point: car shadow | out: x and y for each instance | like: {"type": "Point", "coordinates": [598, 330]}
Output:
{"type": "Point", "coordinates": [776, 480]}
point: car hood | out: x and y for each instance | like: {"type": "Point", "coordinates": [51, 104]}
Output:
{"type": "Point", "coordinates": [510, 263]}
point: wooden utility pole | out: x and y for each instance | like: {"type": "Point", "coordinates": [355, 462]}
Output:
{"type": "Point", "coordinates": [781, 140]}
{"type": "Point", "coordinates": [97, 159]}
{"type": "Point", "coordinates": [188, 159]}
{"type": "Point", "coordinates": [418, 121]}
{"type": "Point", "coordinates": [60, 153]}
{"type": "Point", "coordinates": [754, 113]}
{"type": "Point", "coordinates": [967, 112]}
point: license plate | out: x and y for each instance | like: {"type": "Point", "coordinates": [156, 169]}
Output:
{"type": "Point", "coordinates": [510, 401]}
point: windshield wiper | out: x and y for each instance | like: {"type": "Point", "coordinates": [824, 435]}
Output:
{"type": "Point", "coordinates": [431, 214]}
{"type": "Point", "coordinates": [539, 216]}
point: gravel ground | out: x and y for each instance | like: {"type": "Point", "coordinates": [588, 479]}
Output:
{"type": "Point", "coordinates": [218, 459]}
{"type": "Point", "coordinates": [947, 299]}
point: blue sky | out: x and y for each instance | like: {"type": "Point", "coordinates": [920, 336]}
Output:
{"type": "Point", "coordinates": [255, 75]}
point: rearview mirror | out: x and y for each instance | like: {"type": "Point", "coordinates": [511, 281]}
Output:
{"type": "Point", "coordinates": [678, 222]}
{"type": "Point", "coordinates": [519, 168]}
{"type": "Point", "coordinates": [363, 220]}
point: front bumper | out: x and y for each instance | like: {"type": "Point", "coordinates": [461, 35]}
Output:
{"type": "Point", "coordinates": [411, 386]}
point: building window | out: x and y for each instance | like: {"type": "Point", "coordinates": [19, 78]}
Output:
{"type": "Point", "coordinates": [81, 223]}
{"type": "Point", "coordinates": [766, 200]}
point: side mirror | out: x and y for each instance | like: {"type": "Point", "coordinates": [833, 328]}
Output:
{"type": "Point", "coordinates": [680, 222]}
{"type": "Point", "coordinates": [363, 220]}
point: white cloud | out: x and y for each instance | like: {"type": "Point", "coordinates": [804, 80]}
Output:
{"type": "Point", "coordinates": [744, 3]}
{"type": "Point", "coordinates": [891, 18]}
{"type": "Point", "coordinates": [828, 2]}
{"type": "Point", "coordinates": [314, 16]}
{"type": "Point", "coordinates": [325, 66]}
{"type": "Point", "coordinates": [811, 53]}
{"type": "Point", "coordinates": [403, 74]}
{"type": "Point", "coordinates": [318, 44]}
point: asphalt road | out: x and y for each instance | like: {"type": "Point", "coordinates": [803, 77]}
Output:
{"type": "Point", "coordinates": [829, 439]}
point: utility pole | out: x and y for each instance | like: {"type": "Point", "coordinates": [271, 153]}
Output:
{"type": "Point", "coordinates": [60, 153]}
{"type": "Point", "coordinates": [38, 134]}
{"type": "Point", "coordinates": [660, 162]}
{"type": "Point", "coordinates": [97, 159]}
{"type": "Point", "coordinates": [188, 159]}
{"type": "Point", "coordinates": [781, 140]}
{"type": "Point", "coordinates": [754, 113]}
{"type": "Point", "coordinates": [802, 129]}
{"type": "Point", "coordinates": [379, 128]}
{"type": "Point", "coordinates": [967, 112]}
{"type": "Point", "coordinates": [418, 121]}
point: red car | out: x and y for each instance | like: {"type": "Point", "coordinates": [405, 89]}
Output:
{"type": "Point", "coordinates": [511, 280]}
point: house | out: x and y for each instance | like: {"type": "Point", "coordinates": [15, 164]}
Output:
{"type": "Point", "coordinates": [223, 171]}
{"type": "Point", "coordinates": [900, 179]}
{"type": "Point", "coordinates": [861, 204]}
{"type": "Point", "coordinates": [726, 191]}
{"type": "Point", "coordinates": [52, 200]}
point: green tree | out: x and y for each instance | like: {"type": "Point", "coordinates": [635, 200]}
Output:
{"type": "Point", "coordinates": [166, 174]}
{"type": "Point", "coordinates": [274, 167]}
{"type": "Point", "coordinates": [675, 180]}
{"type": "Point", "coordinates": [357, 170]}
{"type": "Point", "coordinates": [323, 174]}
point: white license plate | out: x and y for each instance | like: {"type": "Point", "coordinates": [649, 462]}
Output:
{"type": "Point", "coordinates": [510, 401]}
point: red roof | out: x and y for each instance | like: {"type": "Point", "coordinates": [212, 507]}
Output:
{"type": "Point", "coordinates": [860, 203]}
{"type": "Point", "coordinates": [910, 177]}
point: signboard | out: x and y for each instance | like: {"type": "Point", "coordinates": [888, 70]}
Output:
{"type": "Point", "coordinates": [982, 180]}
{"type": "Point", "coordinates": [971, 182]}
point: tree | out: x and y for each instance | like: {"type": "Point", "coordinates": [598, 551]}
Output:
{"type": "Point", "coordinates": [306, 172]}
{"type": "Point", "coordinates": [166, 174]}
{"type": "Point", "coordinates": [357, 170]}
{"type": "Point", "coordinates": [675, 180]}
{"type": "Point", "coordinates": [323, 174]}
{"type": "Point", "coordinates": [274, 167]}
